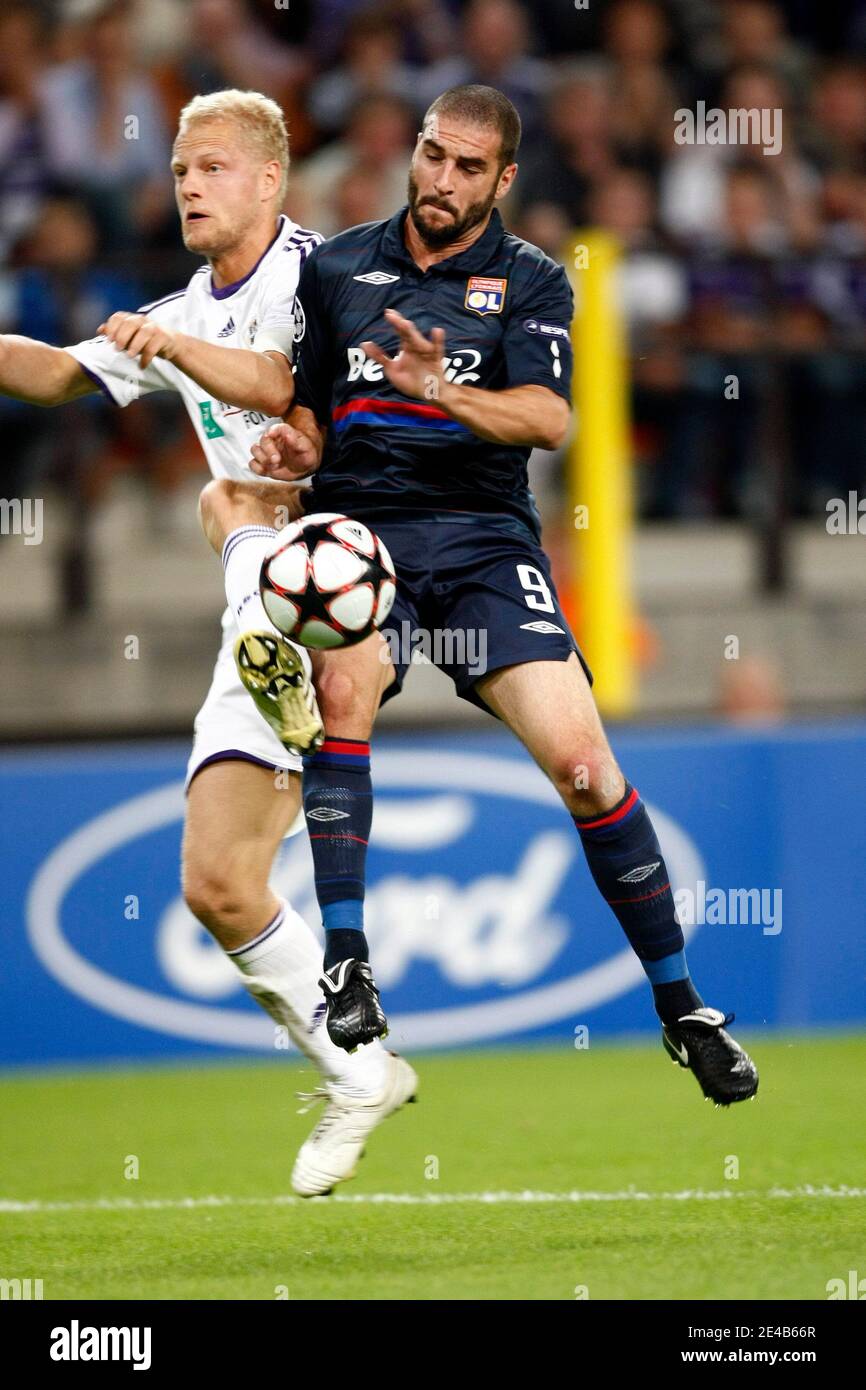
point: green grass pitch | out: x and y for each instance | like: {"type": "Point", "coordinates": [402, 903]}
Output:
{"type": "Point", "coordinates": [611, 1119]}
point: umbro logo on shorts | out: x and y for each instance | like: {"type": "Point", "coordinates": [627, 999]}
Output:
{"type": "Point", "coordinates": [376, 277]}
{"type": "Point", "coordinates": [638, 875]}
{"type": "Point", "coordinates": [541, 625]}
{"type": "Point", "coordinates": [327, 813]}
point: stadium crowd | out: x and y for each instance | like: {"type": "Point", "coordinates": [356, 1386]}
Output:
{"type": "Point", "coordinates": [738, 263]}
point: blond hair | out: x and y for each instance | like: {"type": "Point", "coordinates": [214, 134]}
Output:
{"type": "Point", "coordinates": [261, 122]}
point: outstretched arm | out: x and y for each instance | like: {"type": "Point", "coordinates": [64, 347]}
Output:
{"type": "Point", "coordinates": [40, 374]}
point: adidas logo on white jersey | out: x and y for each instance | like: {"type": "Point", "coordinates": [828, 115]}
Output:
{"type": "Point", "coordinates": [228, 330]}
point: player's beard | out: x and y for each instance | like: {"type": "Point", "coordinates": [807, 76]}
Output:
{"type": "Point", "coordinates": [437, 237]}
{"type": "Point", "coordinates": [222, 237]}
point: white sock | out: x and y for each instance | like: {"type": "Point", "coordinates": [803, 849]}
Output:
{"type": "Point", "coordinates": [281, 969]}
{"type": "Point", "coordinates": [243, 553]}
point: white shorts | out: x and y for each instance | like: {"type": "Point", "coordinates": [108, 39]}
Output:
{"type": "Point", "coordinates": [228, 726]}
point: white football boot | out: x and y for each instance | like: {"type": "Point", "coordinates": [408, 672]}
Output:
{"type": "Point", "coordinates": [274, 674]}
{"type": "Point", "coordinates": [333, 1150]}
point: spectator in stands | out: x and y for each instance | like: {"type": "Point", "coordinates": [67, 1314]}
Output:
{"type": "Point", "coordinates": [57, 293]}
{"type": "Point", "coordinates": [694, 179]}
{"type": "Point", "coordinates": [428, 27]}
{"type": "Point", "coordinates": [637, 39]}
{"type": "Point", "coordinates": [227, 46]}
{"type": "Point", "coordinates": [62, 292]}
{"type": "Point", "coordinates": [843, 212]}
{"type": "Point", "coordinates": [495, 44]}
{"type": "Point", "coordinates": [104, 133]}
{"type": "Point", "coordinates": [23, 176]}
{"type": "Point", "coordinates": [360, 196]}
{"type": "Point", "coordinates": [711, 464]}
{"type": "Point", "coordinates": [379, 136]}
{"type": "Point", "coordinates": [651, 281]}
{"type": "Point", "coordinates": [558, 171]}
{"type": "Point", "coordinates": [756, 31]}
{"type": "Point", "coordinates": [371, 66]}
{"type": "Point", "coordinates": [838, 131]}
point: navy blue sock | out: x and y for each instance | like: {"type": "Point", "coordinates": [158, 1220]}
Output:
{"type": "Point", "coordinates": [626, 861]}
{"type": "Point", "coordinates": [338, 806]}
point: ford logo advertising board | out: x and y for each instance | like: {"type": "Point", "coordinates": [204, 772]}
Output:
{"type": "Point", "coordinates": [482, 918]}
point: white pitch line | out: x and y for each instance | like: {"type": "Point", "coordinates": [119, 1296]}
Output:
{"type": "Point", "coordinates": [426, 1199]}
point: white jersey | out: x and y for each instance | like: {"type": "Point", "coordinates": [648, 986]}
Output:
{"type": "Point", "coordinates": [256, 312]}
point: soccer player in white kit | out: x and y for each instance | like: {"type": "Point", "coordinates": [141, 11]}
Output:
{"type": "Point", "coordinates": [224, 343]}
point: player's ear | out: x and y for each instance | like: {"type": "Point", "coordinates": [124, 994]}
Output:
{"type": "Point", "coordinates": [506, 179]}
{"type": "Point", "coordinates": [272, 173]}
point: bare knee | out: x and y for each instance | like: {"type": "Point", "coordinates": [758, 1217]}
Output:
{"type": "Point", "coordinates": [587, 778]}
{"type": "Point", "coordinates": [220, 504]}
{"type": "Point", "coordinates": [222, 899]}
{"type": "Point", "coordinates": [349, 687]}
{"type": "Point", "coordinates": [224, 504]}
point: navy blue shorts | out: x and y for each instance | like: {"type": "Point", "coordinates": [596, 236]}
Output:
{"type": "Point", "coordinates": [472, 596]}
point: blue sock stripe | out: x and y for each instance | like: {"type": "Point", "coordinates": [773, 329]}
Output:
{"type": "Point", "coordinates": [347, 914]}
{"type": "Point", "coordinates": [666, 970]}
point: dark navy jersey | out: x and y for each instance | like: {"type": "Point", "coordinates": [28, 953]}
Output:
{"type": "Point", "coordinates": [506, 309]}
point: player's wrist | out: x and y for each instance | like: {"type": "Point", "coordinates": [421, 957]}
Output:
{"type": "Point", "coordinates": [448, 396]}
{"type": "Point", "coordinates": [174, 346]}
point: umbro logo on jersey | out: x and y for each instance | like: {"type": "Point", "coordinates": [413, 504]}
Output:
{"type": "Point", "coordinates": [327, 813]}
{"type": "Point", "coordinates": [376, 277]}
{"type": "Point", "coordinates": [228, 330]}
{"type": "Point", "coordinates": [638, 875]}
{"type": "Point", "coordinates": [541, 625]}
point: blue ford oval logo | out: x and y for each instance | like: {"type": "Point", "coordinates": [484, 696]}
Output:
{"type": "Point", "coordinates": [482, 917]}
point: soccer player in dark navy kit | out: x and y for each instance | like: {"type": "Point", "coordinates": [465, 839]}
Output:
{"type": "Point", "coordinates": [432, 355]}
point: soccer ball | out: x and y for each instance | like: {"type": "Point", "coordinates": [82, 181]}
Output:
{"type": "Point", "coordinates": [328, 581]}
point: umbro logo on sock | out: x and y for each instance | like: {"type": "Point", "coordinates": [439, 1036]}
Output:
{"type": "Point", "coordinates": [638, 875]}
{"type": "Point", "coordinates": [228, 330]}
{"type": "Point", "coordinates": [327, 813]}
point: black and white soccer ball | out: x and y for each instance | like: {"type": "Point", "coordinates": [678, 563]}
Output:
{"type": "Point", "coordinates": [328, 581]}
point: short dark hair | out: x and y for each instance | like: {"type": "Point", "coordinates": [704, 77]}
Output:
{"type": "Point", "coordinates": [485, 106]}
